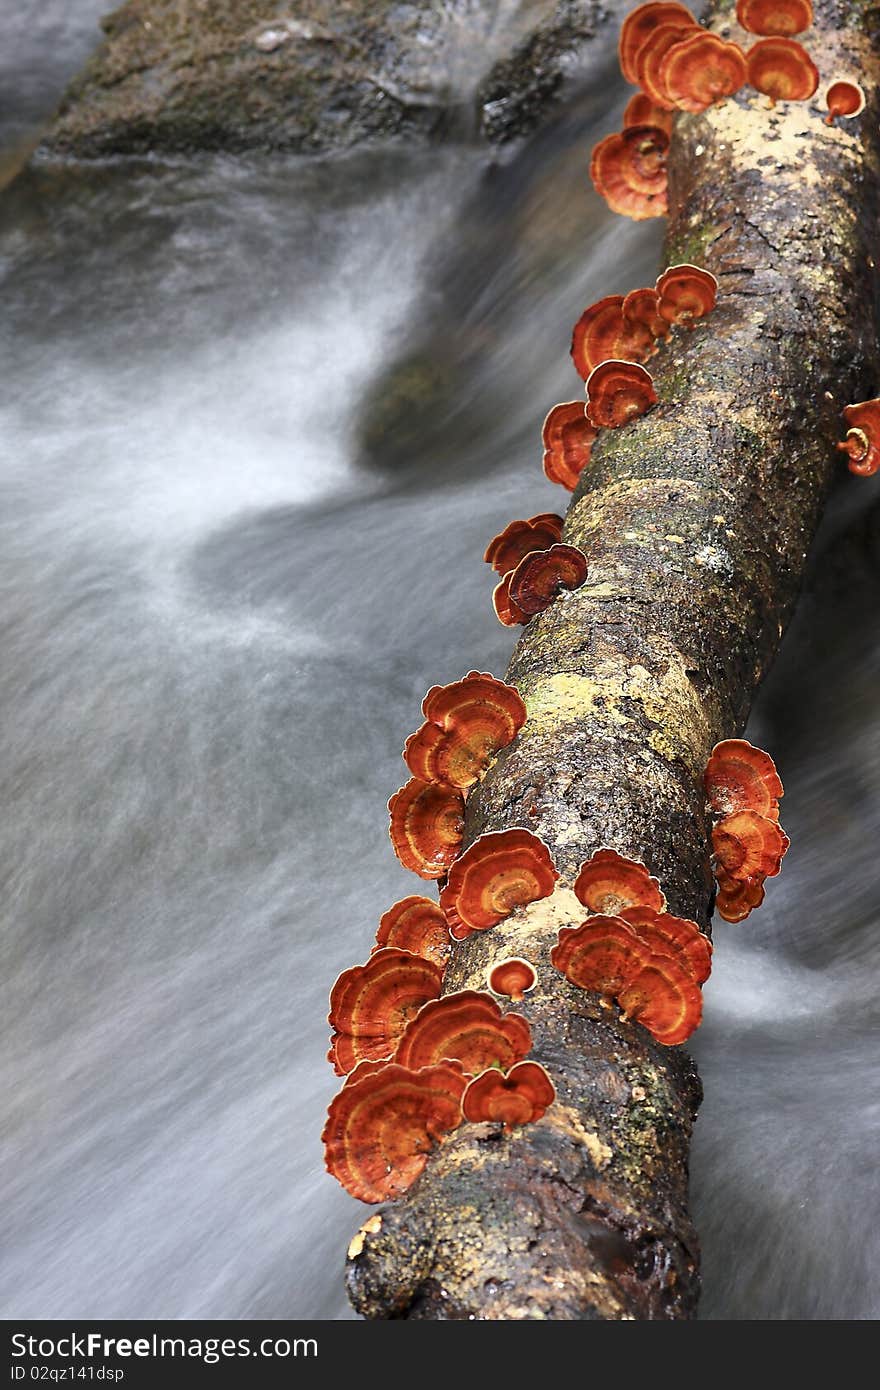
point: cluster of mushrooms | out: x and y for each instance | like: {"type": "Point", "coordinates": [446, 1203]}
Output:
{"type": "Point", "coordinates": [418, 1063]}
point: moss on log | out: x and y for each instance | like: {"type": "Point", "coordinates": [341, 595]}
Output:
{"type": "Point", "coordinates": [696, 521]}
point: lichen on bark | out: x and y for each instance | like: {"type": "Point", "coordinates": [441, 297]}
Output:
{"type": "Point", "coordinates": [696, 521]}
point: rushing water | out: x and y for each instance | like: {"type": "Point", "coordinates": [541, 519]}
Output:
{"type": "Point", "coordinates": [258, 420]}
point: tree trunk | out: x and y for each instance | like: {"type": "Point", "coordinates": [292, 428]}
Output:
{"type": "Point", "coordinates": [696, 520]}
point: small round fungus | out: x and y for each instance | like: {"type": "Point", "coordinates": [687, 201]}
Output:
{"type": "Point", "coordinates": [513, 977]}
{"type": "Point", "coordinates": [618, 392]}
{"type": "Point", "coordinates": [427, 822]}
{"type": "Point", "coordinates": [862, 441]}
{"type": "Point", "coordinates": [782, 69]}
{"type": "Point", "coordinates": [519, 1098]}
{"type": "Point", "coordinates": [500, 871]}
{"type": "Point", "coordinates": [844, 99]}
{"type": "Point", "coordinates": [607, 883]}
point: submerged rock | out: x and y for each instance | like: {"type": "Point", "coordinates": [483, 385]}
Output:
{"type": "Point", "coordinates": [235, 75]}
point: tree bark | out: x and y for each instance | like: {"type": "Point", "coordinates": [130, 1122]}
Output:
{"type": "Point", "coordinates": [696, 521]}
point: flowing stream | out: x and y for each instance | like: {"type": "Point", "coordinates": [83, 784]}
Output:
{"type": "Point", "coordinates": [258, 419]}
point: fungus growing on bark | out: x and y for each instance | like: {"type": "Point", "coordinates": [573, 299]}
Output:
{"type": "Point", "coordinates": [782, 69]}
{"type": "Point", "coordinates": [862, 441]}
{"type": "Point", "coordinates": [568, 439]}
{"type": "Point", "coordinates": [748, 845]}
{"type": "Point", "coordinates": [618, 392]}
{"type": "Point", "coordinates": [740, 777]}
{"type": "Point", "coordinates": [608, 883]}
{"type": "Point", "coordinates": [684, 293]}
{"type": "Point", "coordinates": [380, 1129]}
{"type": "Point", "coordinates": [701, 70]}
{"type": "Point", "coordinates": [417, 925]}
{"type": "Point", "coordinates": [427, 821]}
{"type": "Point", "coordinates": [639, 27]}
{"type": "Point", "coordinates": [519, 1098]}
{"type": "Point", "coordinates": [641, 110]}
{"type": "Point", "coordinates": [541, 577]}
{"type": "Point", "coordinates": [736, 900]}
{"type": "Point", "coordinates": [601, 954]}
{"type": "Point", "coordinates": [371, 1004]}
{"type": "Point", "coordinates": [775, 17]}
{"type": "Point", "coordinates": [467, 1027]}
{"type": "Point", "coordinates": [602, 333]}
{"type": "Point", "coordinates": [465, 725]}
{"type": "Point", "coordinates": [652, 57]}
{"type": "Point", "coordinates": [677, 935]}
{"type": "Point", "coordinates": [845, 99]}
{"type": "Point", "coordinates": [628, 170]}
{"type": "Point", "coordinates": [665, 998]}
{"type": "Point", "coordinates": [514, 977]}
{"type": "Point", "coordinates": [505, 550]}
{"type": "Point", "coordinates": [642, 307]}
{"type": "Point", "coordinates": [506, 610]}
{"type": "Point", "coordinates": [501, 870]}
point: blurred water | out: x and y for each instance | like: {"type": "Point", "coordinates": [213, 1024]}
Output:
{"type": "Point", "coordinates": [258, 423]}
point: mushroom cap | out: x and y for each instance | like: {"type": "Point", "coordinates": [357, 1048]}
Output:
{"type": "Point", "coordinates": [417, 925]}
{"type": "Point", "coordinates": [628, 170]}
{"type": "Point", "coordinates": [844, 98]}
{"type": "Point", "coordinates": [568, 439]}
{"type": "Point", "coordinates": [641, 110]}
{"type": "Point", "coordinates": [601, 333]}
{"type": "Point", "coordinates": [607, 883]}
{"type": "Point", "coordinates": [468, 1028]}
{"type": "Point", "coordinates": [427, 823]}
{"type": "Point", "coordinates": [539, 578]}
{"type": "Point", "coordinates": [749, 845]}
{"type": "Point", "coordinates": [618, 392]}
{"type": "Point", "coordinates": [665, 998]}
{"type": "Point", "coordinates": [519, 1098]}
{"type": "Point", "coordinates": [676, 935]}
{"type": "Point", "coordinates": [519, 538]}
{"type": "Point", "coordinates": [863, 439]}
{"type": "Point", "coordinates": [652, 57]}
{"type": "Point", "coordinates": [381, 1129]}
{"type": "Point", "coordinates": [701, 70]}
{"type": "Point", "coordinates": [513, 977]}
{"type": "Point", "coordinates": [776, 17]}
{"type": "Point", "coordinates": [736, 900]}
{"type": "Point", "coordinates": [501, 870]}
{"type": "Point", "coordinates": [506, 610]}
{"type": "Point", "coordinates": [466, 724]}
{"type": "Point", "coordinates": [601, 954]}
{"type": "Point", "coordinates": [637, 29]}
{"type": "Point", "coordinates": [685, 292]}
{"type": "Point", "coordinates": [371, 1004]}
{"type": "Point", "coordinates": [782, 69]}
{"type": "Point", "coordinates": [642, 307]}
{"type": "Point", "coordinates": [740, 777]}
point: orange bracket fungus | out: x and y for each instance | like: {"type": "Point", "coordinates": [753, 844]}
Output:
{"type": "Point", "coordinates": [845, 99]}
{"type": "Point", "coordinates": [685, 293]}
{"type": "Point", "coordinates": [427, 822]}
{"type": "Point", "coordinates": [748, 845]}
{"type": "Point", "coordinates": [701, 70]}
{"type": "Point", "coordinates": [417, 925]}
{"type": "Point", "coordinates": [653, 56]}
{"type": "Point", "coordinates": [505, 550]}
{"type": "Point", "coordinates": [735, 900]}
{"type": "Point", "coordinates": [677, 936]}
{"type": "Point", "coordinates": [642, 307]}
{"type": "Point", "coordinates": [506, 611]}
{"type": "Point", "coordinates": [519, 1098]}
{"type": "Point", "coordinates": [740, 777]}
{"type": "Point", "coordinates": [641, 110]}
{"type": "Point", "coordinates": [665, 998]}
{"type": "Point", "coordinates": [618, 392]}
{"type": "Point", "coordinates": [381, 1128]}
{"type": "Point", "coordinates": [371, 1004]}
{"type": "Point", "coordinates": [607, 883]}
{"type": "Point", "coordinates": [601, 954]}
{"type": "Point", "coordinates": [628, 170]}
{"type": "Point", "coordinates": [465, 725]}
{"type": "Point", "coordinates": [601, 332]}
{"type": "Point", "coordinates": [541, 577]}
{"type": "Point", "coordinates": [568, 439]}
{"type": "Point", "coordinates": [501, 870]}
{"type": "Point", "coordinates": [862, 441]}
{"type": "Point", "coordinates": [780, 18]}
{"type": "Point", "coordinates": [638, 28]}
{"type": "Point", "coordinates": [782, 69]}
{"type": "Point", "coordinates": [513, 977]}
{"type": "Point", "coordinates": [467, 1027]}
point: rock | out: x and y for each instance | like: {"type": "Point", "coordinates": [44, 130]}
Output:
{"type": "Point", "coordinates": [233, 75]}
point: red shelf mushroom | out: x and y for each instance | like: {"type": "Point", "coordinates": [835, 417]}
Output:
{"type": "Point", "coordinates": [653, 57]}
{"type": "Point", "coordinates": [748, 845]}
{"type": "Point", "coordinates": [665, 998]}
{"type": "Point", "coordinates": [600, 955]}
{"type": "Point", "coordinates": [500, 871]}
{"type": "Point", "coordinates": [736, 900]}
{"type": "Point", "coordinates": [371, 1004]}
{"type": "Point", "coordinates": [844, 98]}
{"type": "Point", "coordinates": [506, 610]}
{"type": "Point", "coordinates": [775, 17]}
{"type": "Point", "coordinates": [417, 925]}
{"type": "Point", "coordinates": [568, 439]}
{"type": "Point", "coordinates": [701, 70]}
{"type": "Point", "coordinates": [381, 1128]}
{"type": "Point", "coordinates": [685, 293]}
{"type": "Point", "coordinates": [618, 392]}
{"type": "Point", "coordinates": [638, 28]}
{"type": "Point", "coordinates": [607, 883]}
{"type": "Point", "coordinates": [862, 442]}
{"type": "Point", "coordinates": [642, 307]}
{"type": "Point", "coordinates": [602, 333]}
{"type": "Point", "coordinates": [519, 1098]}
{"type": "Point", "coordinates": [541, 577]}
{"type": "Point", "coordinates": [427, 823]}
{"type": "Point", "coordinates": [740, 777]}
{"type": "Point", "coordinates": [641, 110]}
{"type": "Point", "coordinates": [513, 977]}
{"type": "Point", "coordinates": [466, 724]}
{"type": "Point", "coordinates": [467, 1027]}
{"type": "Point", "coordinates": [782, 69]}
{"type": "Point", "coordinates": [520, 538]}
{"type": "Point", "coordinates": [677, 936]}
{"type": "Point", "coordinates": [628, 170]}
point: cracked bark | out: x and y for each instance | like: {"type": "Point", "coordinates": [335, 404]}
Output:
{"type": "Point", "coordinates": [696, 521]}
